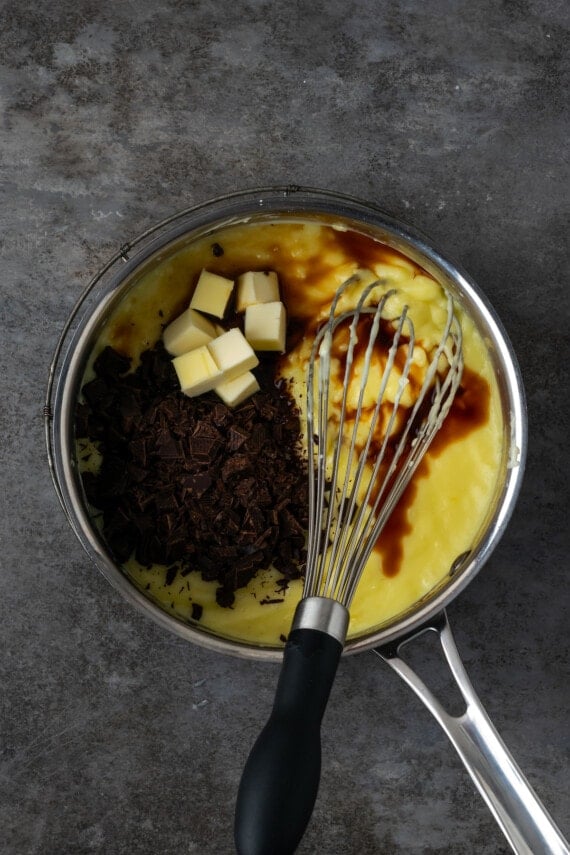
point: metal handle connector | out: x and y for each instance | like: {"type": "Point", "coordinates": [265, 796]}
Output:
{"type": "Point", "coordinates": [323, 614]}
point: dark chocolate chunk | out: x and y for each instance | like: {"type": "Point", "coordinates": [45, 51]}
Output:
{"type": "Point", "coordinates": [197, 611]}
{"type": "Point", "coordinates": [171, 573]}
{"type": "Point", "coordinates": [111, 364]}
{"type": "Point", "coordinates": [235, 438]}
{"type": "Point", "coordinates": [225, 597]}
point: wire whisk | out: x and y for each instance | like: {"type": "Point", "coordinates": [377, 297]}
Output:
{"type": "Point", "coordinates": [364, 445]}
{"type": "Point", "coordinates": [347, 513]}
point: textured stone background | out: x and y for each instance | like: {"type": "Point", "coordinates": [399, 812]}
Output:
{"type": "Point", "coordinates": [116, 736]}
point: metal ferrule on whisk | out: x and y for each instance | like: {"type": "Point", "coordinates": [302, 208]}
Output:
{"type": "Point", "coordinates": [323, 614]}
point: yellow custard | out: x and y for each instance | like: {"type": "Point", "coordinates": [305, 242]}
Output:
{"type": "Point", "coordinates": [443, 512]}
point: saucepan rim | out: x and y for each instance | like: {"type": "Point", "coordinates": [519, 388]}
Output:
{"type": "Point", "coordinates": [86, 317]}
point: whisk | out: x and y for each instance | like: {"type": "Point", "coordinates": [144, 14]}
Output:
{"type": "Point", "coordinates": [361, 457]}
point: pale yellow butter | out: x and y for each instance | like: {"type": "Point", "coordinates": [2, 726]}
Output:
{"type": "Point", "coordinates": [232, 353]}
{"type": "Point", "coordinates": [188, 331]}
{"type": "Point", "coordinates": [197, 371]}
{"type": "Point", "coordinates": [256, 287]}
{"type": "Point", "coordinates": [212, 294]}
{"type": "Point", "coordinates": [236, 391]}
{"type": "Point", "coordinates": [266, 326]}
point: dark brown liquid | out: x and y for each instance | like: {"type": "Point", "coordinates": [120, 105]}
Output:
{"type": "Point", "coordinates": [124, 337]}
{"type": "Point", "coordinates": [469, 411]}
{"type": "Point", "coordinates": [367, 250]}
{"type": "Point", "coordinates": [390, 544]}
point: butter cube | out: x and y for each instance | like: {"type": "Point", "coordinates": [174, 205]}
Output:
{"type": "Point", "coordinates": [256, 287]}
{"type": "Point", "coordinates": [197, 371]}
{"type": "Point", "coordinates": [187, 331]}
{"type": "Point", "coordinates": [265, 326]}
{"type": "Point", "coordinates": [232, 354]}
{"type": "Point", "coordinates": [234, 392]}
{"type": "Point", "coordinates": [212, 294]}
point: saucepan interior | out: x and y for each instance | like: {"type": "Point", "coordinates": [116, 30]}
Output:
{"type": "Point", "coordinates": [119, 280]}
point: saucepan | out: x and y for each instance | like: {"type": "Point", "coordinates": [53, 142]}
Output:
{"type": "Point", "coordinates": [524, 821]}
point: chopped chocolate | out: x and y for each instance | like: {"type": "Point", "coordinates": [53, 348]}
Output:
{"type": "Point", "coordinates": [82, 419]}
{"type": "Point", "coordinates": [197, 611]}
{"type": "Point", "coordinates": [190, 483]}
{"type": "Point", "coordinates": [225, 597]}
{"type": "Point", "coordinates": [196, 485]}
{"type": "Point", "coordinates": [235, 438]}
{"type": "Point", "coordinates": [171, 573]}
{"type": "Point", "coordinates": [112, 364]}
{"type": "Point", "coordinates": [236, 465]}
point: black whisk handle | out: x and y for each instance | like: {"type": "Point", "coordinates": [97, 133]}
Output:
{"type": "Point", "coordinates": [281, 777]}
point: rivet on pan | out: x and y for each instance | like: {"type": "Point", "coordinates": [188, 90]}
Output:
{"type": "Point", "coordinates": [125, 251]}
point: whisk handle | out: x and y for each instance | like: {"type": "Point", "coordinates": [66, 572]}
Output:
{"type": "Point", "coordinates": [281, 777]}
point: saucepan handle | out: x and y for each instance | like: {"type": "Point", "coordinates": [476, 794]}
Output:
{"type": "Point", "coordinates": [524, 821]}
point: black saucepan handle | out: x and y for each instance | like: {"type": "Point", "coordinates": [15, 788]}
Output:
{"type": "Point", "coordinates": [281, 777]}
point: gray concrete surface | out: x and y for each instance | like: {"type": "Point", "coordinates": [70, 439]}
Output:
{"type": "Point", "coordinates": [117, 737]}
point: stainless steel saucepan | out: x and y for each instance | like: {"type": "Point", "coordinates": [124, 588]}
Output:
{"type": "Point", "coordinates": [524, 821]}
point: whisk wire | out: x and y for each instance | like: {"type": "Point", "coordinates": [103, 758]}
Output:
{"type": "Point", "coordinates": [318, 443]}
{"type": "Point", "coordinates": [395, 482]}
{"type": "Point", "coordinates": [339, 509]}
{"type": "Point", "coordinates": [350, 516]}
{"type": "Point", "coordinates": [359, 531]}
{"type": "Point", "coordinates": [347, 501]}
